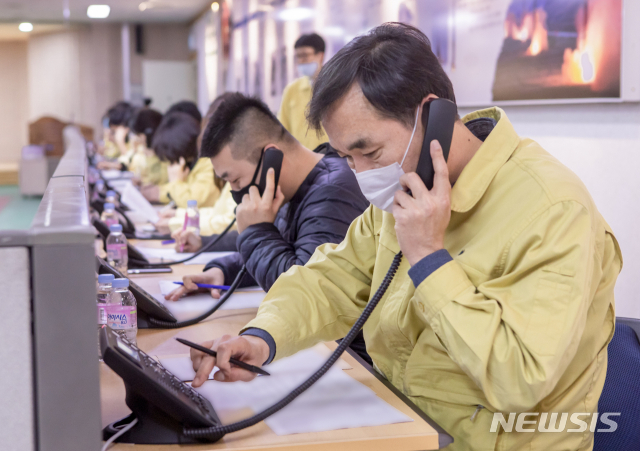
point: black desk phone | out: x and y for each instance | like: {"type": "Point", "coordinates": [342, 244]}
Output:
{"type": "Point", "coordinates": [148, 306]}
{"type": "Point", "coordinates": [161, 402]}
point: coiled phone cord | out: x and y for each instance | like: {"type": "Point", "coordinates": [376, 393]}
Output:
{"type": "Point", "coordinates": [204, 249]}
{"type": "Point", "coordinates": [216, 432]}
{"type": "Point", "coordinates": [211, 311]}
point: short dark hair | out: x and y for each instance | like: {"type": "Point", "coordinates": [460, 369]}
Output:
{"type": "Point", "coordinates": [215, 104]}
{"type": "Point", "coordinates": [394, 66]}
{"type": "Point", "coordinates": [120, 114]}
{"type": "Point", "coordinates": [245, 121]}
{"type": "Point", "coordinates": [186, 106]}
{"type": "Point", "coordinates": [146, 121]}
{"type": "Point", "coordinates": [177, 137]}
{"type": "Point", "coordinates": [311, 40]}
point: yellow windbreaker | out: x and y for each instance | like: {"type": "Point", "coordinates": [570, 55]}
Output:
{"type": "Point", "coordinates": [213, 220]}
{"type": "Point", "coordinates": [519, 321]}
{"type": "Point", "coordinates": [198, 186]}
{"type": "Point", "coordinates": [293, 110]}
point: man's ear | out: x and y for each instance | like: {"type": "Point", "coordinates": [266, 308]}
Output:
{"type": "Point", "coordinates": [274, 145]}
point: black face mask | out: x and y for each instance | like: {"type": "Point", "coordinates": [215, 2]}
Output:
{"type": "Point", "coordinates": [239, 194]}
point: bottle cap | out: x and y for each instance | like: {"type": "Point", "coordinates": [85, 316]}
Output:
{"type": "Point", "coordinates": [109, 206]}
{"type": "Point", "coordinates": [111, 193]}
{"type": "Point", "coordinates": [192, 203]}
{"type": "Point", "coordinates": [106, 278]}
{"type": "Point", "coordinates": [115, 228]}
{"type": "Point", "coordinates": [120, 283]}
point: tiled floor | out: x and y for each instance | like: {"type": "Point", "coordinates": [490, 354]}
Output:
{"type": "Point", "coordinates": [19, 211]}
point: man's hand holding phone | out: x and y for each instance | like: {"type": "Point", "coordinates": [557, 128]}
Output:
{"type": "Point", "coordinates": [249, 349]}
{"type": "Point", "coordinates": [422, 218]}
{"type": "Point", "coordinates": [255, 209]}
{"type": "Point", "coordinates": [213, 276]}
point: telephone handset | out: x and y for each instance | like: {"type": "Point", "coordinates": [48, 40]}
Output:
{"type": "Point", "coordinates": [272, 159]}
{"type": "Point", "coordinates": [438, 119]}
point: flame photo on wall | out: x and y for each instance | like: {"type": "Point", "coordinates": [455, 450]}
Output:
{"type": "Point", "coordinates": [560, 49]}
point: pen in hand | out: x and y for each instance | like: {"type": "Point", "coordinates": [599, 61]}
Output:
{"type": "Point", "coordinates": [236, 362]}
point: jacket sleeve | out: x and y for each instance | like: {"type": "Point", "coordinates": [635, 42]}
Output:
{"type": "Point", "coordinates": [198, 186]}
{"type": "Point", "coordinates": [325, 218]}
{"type": "Point", "coordinates": [320, 301]}
{"type": "Point", "coordinates": [515, 335]}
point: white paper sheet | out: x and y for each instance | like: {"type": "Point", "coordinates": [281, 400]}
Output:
{"type": "Point", "coordinates": [182, 368]}
{"type": "Point", "coordinates": [169, 253]}
{"type": "Point", "coordinates": [112, 174]}
{"type": "Point", "coordinates": [336, 401]}
{"type": "Point", "coordinates": [197, 303]}
{"type": "Point", "coordinates": [120, 185]}
{"type": "Point", "coordinates": [134, 199]}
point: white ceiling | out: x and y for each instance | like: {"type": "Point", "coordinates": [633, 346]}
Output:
{"type": "Point", "coordinates": [43, 11]}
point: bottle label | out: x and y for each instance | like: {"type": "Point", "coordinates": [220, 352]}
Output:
{"type": "Point", "coordinates": [102, 314]}
{"type": "Point", "coordinates": [116, 251]}
{"type": "Point", "coordinates": [111, 221]}
{"type": "Point", "coordinates": [122, 317]}
{"type": "Point", "coordinates": [192, 221]}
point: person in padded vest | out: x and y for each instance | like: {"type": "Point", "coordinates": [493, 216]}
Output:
{"type": "Point", "coordinates": [315, 201]}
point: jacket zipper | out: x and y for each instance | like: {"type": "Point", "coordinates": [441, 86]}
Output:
{"type": "Point", "coordinates": [478, 409]}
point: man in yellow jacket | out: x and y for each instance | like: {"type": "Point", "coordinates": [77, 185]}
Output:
{"type": "Point", "coordinates": [309, 56]}
{"type": "Point", "coordinates": [503, 300]}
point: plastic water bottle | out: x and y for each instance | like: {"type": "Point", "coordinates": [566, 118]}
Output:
{"type": "Point", "coordinates": [117, 254]}
{"type": "Point", "coordinates": [111, 197]}
{"type": "Point", "coordinates": [97, 189]}
{"type": "Point", "coordinates": [104, 296]}
{"type": "Point", "coordinates": [108, 215]}
{"type": "Point", "coordinates": [122, 312]}
{"type": "Point", "coordinates": [192, 217]}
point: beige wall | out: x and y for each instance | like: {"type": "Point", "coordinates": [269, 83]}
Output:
{"type": "Point", "coordinates": [75, 75]}
{"type": "Point", "coordinates": [13, 100]}
{"type": "Point", "coordinates": [161, 42]}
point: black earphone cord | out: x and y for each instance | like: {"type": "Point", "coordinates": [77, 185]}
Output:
{"type": "Point", "coordinates": [216, 432]}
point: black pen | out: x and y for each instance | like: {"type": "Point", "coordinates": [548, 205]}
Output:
{"type": "Point", "coordinates": [246, 366]}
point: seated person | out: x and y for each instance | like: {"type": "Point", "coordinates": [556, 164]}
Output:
{"type": "Point", "coordinates": [190, 177]}
{"type": "Point", "coordinates": [213, 220]}
{"type": "Point", "coordinates": [186, 106]}
{"type": "Point", "coordinates": [144, 162]}
{"type": "Point", "coordinates": [503, 300]}
{"type": "Point", "coordinates": [315, 202]}
{"type": "Point", "coordinates": [116, 141]}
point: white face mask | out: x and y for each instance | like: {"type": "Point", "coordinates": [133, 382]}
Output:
{"type": "Point", "coordinates": [380, 185]}
{"type": "Point", "coordinates": [307, 69]}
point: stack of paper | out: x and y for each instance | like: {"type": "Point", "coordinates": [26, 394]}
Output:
{"type": "Point", "coordinates": [169, 254]}
{"type": "Point", "coordinates": [200, 302]}
{"type": "Point", "coordinates": [336, 401]}
{"type": "Point", "coordinates": [134, 199]}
